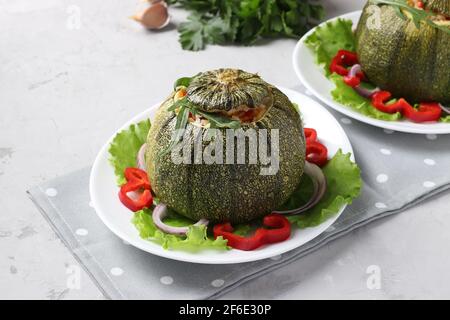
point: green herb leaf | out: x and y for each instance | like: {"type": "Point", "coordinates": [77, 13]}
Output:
{"type": "Point", "coordinates": [219, 121]}
{"type": "Point", "coordinates": [216, 30]}
{"type": "Point", "coordinates": [178, 104]}
{"type": "Point", "coordinates": [191, 33]}
{"type": "Point", "coordinates": [182, 120]}
{"type": "Point", "coordinates": [245, 21]}
{"type": "Point", "coordinates": [182, 82]}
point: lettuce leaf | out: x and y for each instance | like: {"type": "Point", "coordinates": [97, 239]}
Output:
{"type": "Point", "coordinates": [445, 119]}
{"type": "Point", "coordinates": [347, 96]}
{"type": "Point", "coordinates": [328, 39]}
{"type": "Point", "coordinates": [343, 185]}
{"type": "Point", "coordinates": [125, 146]}
{"type": "Point", "coordinates": [196, 239]}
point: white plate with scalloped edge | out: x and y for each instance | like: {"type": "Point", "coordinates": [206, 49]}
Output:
{"type": "Point", "coordinates": [313, 78]}
{"type": "Point", "coordinates": [117, 218]}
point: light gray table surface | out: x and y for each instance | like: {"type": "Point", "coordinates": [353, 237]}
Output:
{"type": "Point", "coordinates": [65, 88]}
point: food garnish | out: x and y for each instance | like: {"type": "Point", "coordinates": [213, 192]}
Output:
{"type": "Point", "coordinates": [426, 111]}
{"type": "Point", "coordinates": [138, 184]}
{"type": "Point", "coordinates": [140, 159]}
{"type": "Point", "coordinates": [316, 152]}
{"type": "Point", "coordinates": [160, 212]}
{"type": "Point", "coordinates": [319, 183]}
{"type": "Point", "coordinates": [280, 230]}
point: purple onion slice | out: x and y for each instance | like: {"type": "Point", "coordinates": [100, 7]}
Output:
{"type": "Point", "coordinates": [364, 92]}
{"type": "Point", "coordinates": [320, 187]}
{"type": "Point", "coordinates": [160, 212]}
{"type": "Point", "coordinates": [444, 108]}
{"type": "Point", "coordinates": [140, 161]}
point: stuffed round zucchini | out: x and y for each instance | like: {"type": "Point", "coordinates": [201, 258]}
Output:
{"type": "Point", "coordinates": [398, 56]}
{"type": "Point", "coordinates": [237, 192]}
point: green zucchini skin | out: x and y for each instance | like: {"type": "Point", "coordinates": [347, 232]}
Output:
{"type": "Point", "coordinates": [227, 192]}
{"type": "Point", "coordinates": [409, 62]}
{"type": "Point", "coordinates": [231, 88]}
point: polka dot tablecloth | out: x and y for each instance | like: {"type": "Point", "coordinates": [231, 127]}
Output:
{"type": "Point", "coordinates": [399, 170]}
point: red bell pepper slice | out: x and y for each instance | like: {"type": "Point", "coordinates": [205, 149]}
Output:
{"type": "Point", "coordinates": [280, 231]}
{"type": "Point", "coordinates": [342, 60]}
{"type": "Point", "coordinates": [137, 182]}
{"type": "Point", "coordinates": [427, 111]}
{"type": "Point", "coordinates": [352, 81]}
{"type": "Point", "coordinates": [144, 200]}
{"type": "Point", "coordinates": [138, 176]}
{"type": "Point", "coordinates": [379, 98]}
{"type": "Point", "coordinates": [316, 153]}
{"type": "Point", "coordinates": [310, 134]}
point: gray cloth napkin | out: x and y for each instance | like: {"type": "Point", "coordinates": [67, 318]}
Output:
{"type": "Point", "coordinates": [399, 170]}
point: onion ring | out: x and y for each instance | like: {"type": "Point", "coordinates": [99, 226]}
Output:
{"type": "Point", "coordinates": [160, 212]}
{"type": "Point", "coordinates": [140, 159]}
{"type": "Point", "coordinates": [444, 108]}
{"type": "Point", "coordinates": [364, 92]}
{"type": "Point", "coordinates": [320, 187]}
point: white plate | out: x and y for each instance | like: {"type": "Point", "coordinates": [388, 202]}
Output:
{"type": "Point", "coordinates": [103, 190]}
{"type": "Point", "coordinates": [314, 79]}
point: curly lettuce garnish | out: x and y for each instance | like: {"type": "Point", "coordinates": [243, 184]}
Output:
{"type": "Point", "coordinates": [125, 146]}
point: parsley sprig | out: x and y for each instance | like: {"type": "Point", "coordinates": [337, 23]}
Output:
{"type": "Point", "coordinates": [418, 15]}
{"type": "Point", "coordinates": [244, 21]}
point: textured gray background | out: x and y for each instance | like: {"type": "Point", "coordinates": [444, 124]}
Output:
{"type": "Point", "coordinates": [63, 92]}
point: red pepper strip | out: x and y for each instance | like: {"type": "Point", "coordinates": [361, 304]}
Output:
{"type": "Point", "coordinates": [378, 101]}
{"type": "Point", "coordinates": [137, 181]}
{"type": "Point", "coordinates": [342, 60]}
{"type": "Point", "coordinates": [281, 231]}
{"type": "Point", "coordinates": [310, 135]}
{"type": "Point", "coordinates": [316, 153]}
{"type": "Point", "coordinates": [144, 200]}
{"type": "Point", "coordinates": [352, 81]}
{"type": "Point", "coordinates": [137, 175]}
{"type": "Point", "coordinates": [425, 112]}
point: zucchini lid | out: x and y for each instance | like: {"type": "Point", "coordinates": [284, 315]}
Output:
{"type": "Point", "coordinates": [228, 91]}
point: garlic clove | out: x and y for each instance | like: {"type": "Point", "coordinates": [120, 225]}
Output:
{"type": "Point", "coordinates": [154, 17]}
